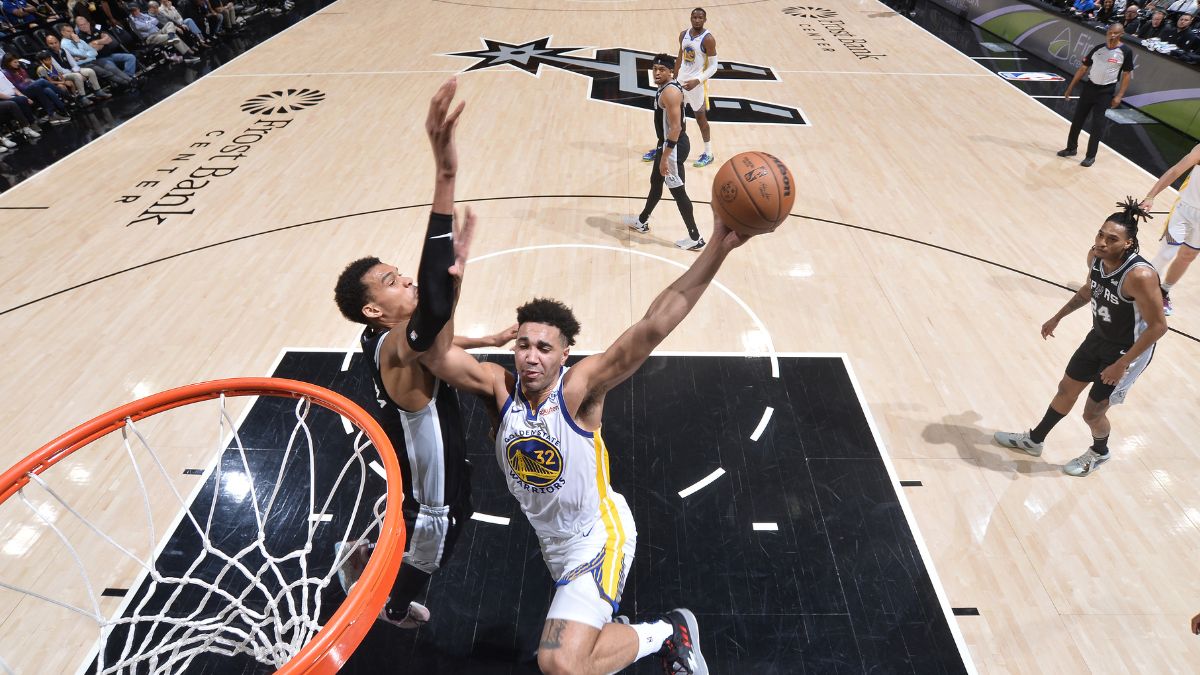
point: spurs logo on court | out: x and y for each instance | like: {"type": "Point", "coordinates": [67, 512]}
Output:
{"type": "Point", "coordinates": [621, 76]}
{"type": "Point", "coordinates": [810, 12]}
{"type": "Point", "coordinates": [283, 101]}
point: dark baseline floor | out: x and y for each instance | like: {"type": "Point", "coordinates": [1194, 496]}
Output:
{"type": "Point", "coordinates": [840, 587]}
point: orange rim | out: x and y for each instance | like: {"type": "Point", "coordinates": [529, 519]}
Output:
{"type": "Point", "coordinates": [336, 641]}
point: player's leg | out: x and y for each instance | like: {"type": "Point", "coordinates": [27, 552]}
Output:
{"type": "Point", "coordinates": [1095, 410]}
{"type": "Point", "coordinates": [642, 222]}
{"type": "Point", "coordinates": [674, 181]}
{"type": "Point", "coordinates": [697, 100]}
{"type": "Point", "coordinates": [1177, 268]}
{"type": "Point", "coordinates": [1181, 243]}
{"type": "Point", "coordinates": [1083, 106]}
{"type": "Point", "coordinates": [1085, 365]}
{"type": "Point", "coordinates": [1098, 125]}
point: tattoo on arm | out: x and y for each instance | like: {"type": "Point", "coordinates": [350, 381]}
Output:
{"type": "Point", "coordinates": [552, 634]}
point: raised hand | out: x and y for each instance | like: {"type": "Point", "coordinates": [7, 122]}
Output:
{"type": "Point", "coordinates": [440, 124]}
{"type": "Point", "coordinates": [464, 231]}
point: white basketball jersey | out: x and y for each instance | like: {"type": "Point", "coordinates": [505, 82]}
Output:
{"type": "Point", "coordinates": [694, 58]}
{"type": "Point", "coordinates": [556, 470]}
{"type": "Point", "coordinates": [1190, 192]}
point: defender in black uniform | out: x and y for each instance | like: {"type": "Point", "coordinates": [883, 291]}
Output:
{"type": "Point", "coordinates": [670, 155]}
{"type": "Point", "coordinates": [1127, 319]}
{"type": "Point", "coordinates": [419, 413]}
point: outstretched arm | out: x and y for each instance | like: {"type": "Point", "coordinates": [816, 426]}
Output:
{"type": "Point", "coordinates": [495, 340]}
{"type": "Point", "coordinates": [1189, 160]}
{"type": "Point", "coordinates": [598, 373]}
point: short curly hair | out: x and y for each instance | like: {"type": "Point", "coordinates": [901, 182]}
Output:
{"type": "Point", "coordinates": [350, 293]}
{"type": "Point", "coordinates": [551, 313]}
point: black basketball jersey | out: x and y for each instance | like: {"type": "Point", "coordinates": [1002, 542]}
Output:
{"type": "Point", "coordinates": [429, 442]}
{"type": "Point", "coordinates": [1115, 316]}
{"type": "Point", "coordinates": [661, 123]}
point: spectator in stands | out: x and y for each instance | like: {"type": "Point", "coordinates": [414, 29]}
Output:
{"type": "Point", "coordinates": [51, 72]}
{"type": "Point", "coordinates": [1181, 7]}
{"type": "Point", "coordinates": [20, 14]}
{"type": "Point", "coordinates": [86, 55]}
{"type": "Point", "coordinates": [1153, 28]}
{"type": "Point", "coordinates": [204, 15]}
{"type": "Point", "coordinates": [108, 49]}
{"type": "Point", "coordinates": [1130, 18]}
{"type": "Point", "coordinates": [16, 105]}
{"type": "Point", "coordinates": [1107, 13]}
{"type": "Point", "coordinates": [226, 10]}
{"type": "Point", "coordinates": [72, 71]}
{"type": "Point", "coordinates": [169, 13]}
{"type": "Point", "coordinates": [39, 90]}
{"type": "Point", "coordinates": [1179, 33]}
{"type": "Point", "coordinates": [1082, 8]}
{"type": "Point", "coordinates": [148, 29]}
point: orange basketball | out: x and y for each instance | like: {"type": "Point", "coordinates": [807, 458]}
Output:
{"type": "Point", "coordinates": [753, 192]}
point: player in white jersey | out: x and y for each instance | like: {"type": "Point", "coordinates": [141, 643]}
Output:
{"type": "Point", "coordinates": [1182, 235]}
{"type": "Point", "coordinates": [694, 67]}
{"type": "Point", "coordinates": [555, 462]}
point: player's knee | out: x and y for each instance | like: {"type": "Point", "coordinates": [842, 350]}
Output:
{"type": "Point", "coordinates": [1093, 412]}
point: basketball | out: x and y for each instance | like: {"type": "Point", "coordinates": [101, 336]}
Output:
{"type": "Point", "coordinates": [753, 192]}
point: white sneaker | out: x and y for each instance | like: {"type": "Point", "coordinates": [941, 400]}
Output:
{"type": "Point", "coordinates": [1021, 441]}
{"type": "Point", "coordinates": [4, 140]}
{"type": "Point", "coordinates": [1085, 463]}
{"type": "Point", "coordinates": [690, 244]}
{"type": "Point", "coordinates": [30, 132]}
{"type": "Point", "coordinates": [635, 224]}
{"type": "Point", "coordinates": [416, 616]}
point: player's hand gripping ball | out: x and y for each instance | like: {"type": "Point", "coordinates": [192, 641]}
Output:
{"type": "Point", "coordinates": [753, 192]}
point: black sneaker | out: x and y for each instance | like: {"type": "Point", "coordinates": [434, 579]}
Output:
{"type": "Point", "coordinates": [681, 652]}
{"type": "Point", "coordinates": [1067, 152]}
{"type": "Point", "coordinates": [1088, 161]}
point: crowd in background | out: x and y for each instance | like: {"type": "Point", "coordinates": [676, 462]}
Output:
{"type": "Point", "coordinates": [60, 57]}
{"type": "Point", "coordinates": [1165, 26]}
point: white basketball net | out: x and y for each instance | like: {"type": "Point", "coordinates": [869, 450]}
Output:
{"type": "Point", "coordinates": [241, 595]}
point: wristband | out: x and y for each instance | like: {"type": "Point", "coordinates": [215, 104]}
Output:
{"type": "Point", "coordinates": [671, 144]}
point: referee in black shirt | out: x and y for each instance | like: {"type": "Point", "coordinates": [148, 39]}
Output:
{"type": "Point", "coordinates": [1100, 69]}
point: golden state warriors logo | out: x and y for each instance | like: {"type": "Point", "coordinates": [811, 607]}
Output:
{"type": "Point", "coordinates": [689, 54]}
{"type": "Point", "coordinates": [535, 462]}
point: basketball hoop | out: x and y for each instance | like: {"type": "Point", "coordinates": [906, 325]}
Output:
{"type": "Point", "coordinates": [274, 618]}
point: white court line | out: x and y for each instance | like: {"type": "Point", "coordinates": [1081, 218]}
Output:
{"type": "Point", "coordinates": [1049, 96]}
{"type": "Point", "coordinates": [762, 424]}
{"type": "Point", "coordinates": [702, 483]}
{"type": "Point", "coordinates": [862, 72]}
{"type": "Point", "coordinates": [320, 517]}
{"type": "Point", "coordinates": [936, 581]}
{"type": "Point", "coordinates": [765, 527]}
{"type": "Point", "coordinates": [346, 424]}
{"type": "Point", "coordinates": [353, 72]}
{"type": "Point", "coordinates": [488, 518]}
{"type": "Point", "coordinates": [346, 361]}
{"type": "Point", "coordinates": [998, 58]}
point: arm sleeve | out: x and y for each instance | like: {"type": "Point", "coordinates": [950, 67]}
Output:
{"type": "Point", "coordinates": [436, 291]}
{"type": "Point", "coordinates": [710, 70]}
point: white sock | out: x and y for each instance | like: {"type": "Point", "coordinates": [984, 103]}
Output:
{"type": "Point", "coordinates": [1164, 257]}
{"type": "Point", "coordinates": [651, 637]}
{"type": "Point", "coordinates": [708, 148]}
{"type": "Point", "coordinates": [1167, 287]}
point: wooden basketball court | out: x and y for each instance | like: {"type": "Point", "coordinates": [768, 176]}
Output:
{"type": "Point", "coordinates": [934, 231]}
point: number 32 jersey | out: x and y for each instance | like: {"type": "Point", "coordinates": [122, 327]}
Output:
{"type": "Point", "coordinates": [1115, 316]}
{"type": "Point", "coordinates": [556, 470]}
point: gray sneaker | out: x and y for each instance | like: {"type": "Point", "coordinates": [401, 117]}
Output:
{"type": "Point", "coordinates": [689, 244]}
{"type": "Point", "coordinates": [1085, 463]}
{"type": "Point", "coordinates": [1021, 441]}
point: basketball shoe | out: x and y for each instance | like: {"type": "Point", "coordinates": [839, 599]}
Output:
{"type": "Point", "coordinates": [649, 156]}
{"type": "Point", "coordinates": [1168, 308]}
{"type": "Point", "coordinates": [1086, 463]}
{"type": "Point", "coordinates": [681, 652]}
{"type": "Point", "coordinates": [414, 616]}
{"type": "Point", "coordinates": [689, 244]}
{"type": "Point", "coordinates": [1020, 441]}
{"type": "Point", "coordinates": [703, 160]}
{"type": "Point", "coordinates": [355, 561]}
{"type": "Point", "coordinates": [635, 223]}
